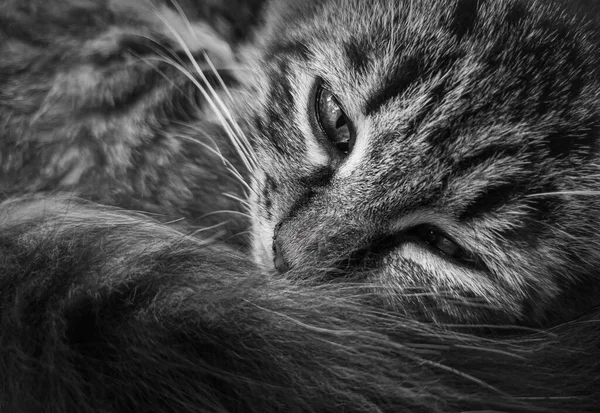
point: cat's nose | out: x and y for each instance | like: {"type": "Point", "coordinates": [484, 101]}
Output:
{"type": "Point", "coordinates": [280, 263]}
{"type": "Point", "coordinates": [278, 259]}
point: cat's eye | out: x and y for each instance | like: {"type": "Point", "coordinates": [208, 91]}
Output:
{"type": "Point", "coordinates": [428, 237]}
{"type": "Point", "coordinates": [332, 120]}
{"type": "Point", "coordinates": [441, 243]}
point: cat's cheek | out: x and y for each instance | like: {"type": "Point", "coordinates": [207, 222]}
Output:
{"type": "Point", "coordinates": [412, 278]}
{"type": "Point", "coordinates": [262, 228]}
{"type": "Point", "coordinates": [261, 250]}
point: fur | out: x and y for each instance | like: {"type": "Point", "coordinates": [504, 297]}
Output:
{"type": "Point", "coordinates": [477, 119]}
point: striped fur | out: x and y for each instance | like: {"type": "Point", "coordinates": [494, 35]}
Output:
{"type": "Point", "coordinates": [476, 118]}
{"type": "Point", "coordinates": [479, 118]}
{"type": "Point", "coordinates": [98, 98]}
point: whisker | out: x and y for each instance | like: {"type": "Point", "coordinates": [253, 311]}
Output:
{"type": "Point", "coordinates": [464, 376]}
{"type": "Point", "coordinates": [177, 6]}
{"type": "Point", "coordinates": [496, 326]}
{"type": "Point", "coordinates": [561, 231]}
{"type": "Point", "coordinates": [203, 229]}
{"type": "Point", "coordinates": [215, 71]}
{"type": "Point", "coordinates": [245, 232]}
{"type": "Point", "coordinates": [160, 50]}
{"type": "Point", "coordinates": [174, 221]}
{"type": "Point", "coordinates": [228, 165]}
{"type": "Point", "coordinates": [244, 143]}
{"type": "Point", "coordinates": [576, 193]}
{"type": "Point", "coordinates": [491, 350]}
{"type": "Point", "coordinates": [179, 66]}
{"type": "Point", "coordinates": [154, 67]}
{"type": "Point", "coordinates": [214, 101]}
{"type": "Point", "coordinates": [237, 198]}
{"type": "Point", "coordinates": [223, 121]}
{"type": "Point", "coordinates": [241, 135]}
{"type": "Point", "coordinates": [217, 152]}
{"type": "Point", "coordinates": [206, 96]}
{"type": "Point", "coordinates": [548, 398]}
{"type": "Point", "coordinates": [225, 211]}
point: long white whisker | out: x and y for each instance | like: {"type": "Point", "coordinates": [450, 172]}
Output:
{"type": "Point", "coordinates": [154, 67]}
{"type": "Point", "coordinates": [225, 161]}
{"type": "Point", "coordinates": [463, 375]}
{"type": "Point", "coordinates": [203, 229]}
{"type": "Point", "coordinates": [217, 152]}
{"type": "Point", "coordinates": [174, 221]}
{"type": "Point", "coordinates": [562, 231]}
{"type": "Point", "coordinates": [246, 232]}
{"type": "Point", "coordinates": [241, 135]}
{"type": "Point", "coordinates": [219, 78]}
{"type": "Point", "coordinates": [206, 96]}
{"type": "Point", "coordinates": [240, 138]}
{"type": "Point", "coordinates": [214, 100]}
{"type": "Point", "coordinates": [201, 88]}
{"type": "Point", "coordinates": [225, 211]}
{"type": "Point", "coordinates": [160, 50]}
{"type": "Point", "coordinates": [183, 17]}
{"type": "Point", "coordinates": [491, 350]}
{"type": "Point", "coordinates": [179, 66]}
{"type": "Point", "coordinates": [237, 198]}
{"type": "Point", "coordinates": [582, 193]}
{"type": "Point", "coordinates": [497, 327]}
{"type": "Point", "coordinates": [229, 166]}
{"type": "Point", "coordinates": [223, 121]}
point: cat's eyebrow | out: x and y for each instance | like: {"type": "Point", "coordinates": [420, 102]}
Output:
{"type": "Point", "coordinates": [395, 84]}
{"type": "Point", "coordinates": [496, 196]}
{"type": "Point", "coordinates": [357, 55]}
{"type": "Point", "coordinates": [293, 48]}
{"type": "Point", "coordinates": [490, 199]}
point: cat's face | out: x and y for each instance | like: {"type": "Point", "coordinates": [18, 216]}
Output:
{"type": "Point", "coordinates": [418, 147]}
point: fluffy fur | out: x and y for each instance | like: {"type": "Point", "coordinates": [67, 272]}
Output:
{"type": "Point", "coordinates": [97, 100]}
{"type": "Point", "coordinates": [476, 119]}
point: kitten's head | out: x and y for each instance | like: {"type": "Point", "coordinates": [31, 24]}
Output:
{"type": "Point", "coordinates": [442, 152]}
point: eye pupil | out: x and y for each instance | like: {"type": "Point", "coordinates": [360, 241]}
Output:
{"type": "Point", "coordinates": [341, 122]}
{"type": "Point", "coordinates": [333, 121]}
{"type": "Point", "coordinates": [343, 146]}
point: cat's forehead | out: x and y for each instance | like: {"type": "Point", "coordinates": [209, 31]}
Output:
{"type": "Point", "coordinates": [444, 65]}
{"type": "Point", "coordinates": [436, 87]}
{"type": "Point", "coordinates": [399, 42]}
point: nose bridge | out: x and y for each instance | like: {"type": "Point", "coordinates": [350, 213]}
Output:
{"type": "Point", "coordinates": [325, 227]}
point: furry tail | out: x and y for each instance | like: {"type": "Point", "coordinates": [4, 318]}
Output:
{"type": "Point", "coordinates": [106, 311]}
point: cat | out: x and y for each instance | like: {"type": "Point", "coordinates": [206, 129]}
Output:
{"type": "Point", "coordinates": [420, 179]}
{"type": "Point", "coordinates": [454, 158]}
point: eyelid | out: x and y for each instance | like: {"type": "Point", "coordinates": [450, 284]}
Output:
{"type": "Point", "coordinates": [311, 107]}
{"type": "Point", "coordinates": [457, 233]}
{"type": "Point", "coordinates": [425, 217]}
{"type": "Point", "coordinates": [462, 275]}
{"type": "Point", "coordinates": [473, 263]}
